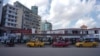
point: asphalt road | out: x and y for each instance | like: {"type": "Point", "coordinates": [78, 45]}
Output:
{"type": "Point", "coordinates": [20, 51]}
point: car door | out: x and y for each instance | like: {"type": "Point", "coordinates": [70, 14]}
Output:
{"type": "Point", "coordinates": [87, 44]}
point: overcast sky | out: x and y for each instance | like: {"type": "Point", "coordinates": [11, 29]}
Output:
{"type": "Point", "coordinates": [66, 13]}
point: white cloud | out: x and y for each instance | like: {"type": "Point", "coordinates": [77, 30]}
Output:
{"type": "Point", "coordinates": [98, 16]}
{"type": "Point", "coordinates": [63, 24]}
{"type": "Point", "coordinates": [97, 7]}
{"type": "Point", "coordinates": [88, 21]}
{"type": "Point", "coordinates": [67, 12]}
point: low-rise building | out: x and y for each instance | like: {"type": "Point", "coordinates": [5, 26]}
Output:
{"type": "Point", "coordinates": [75, 33]}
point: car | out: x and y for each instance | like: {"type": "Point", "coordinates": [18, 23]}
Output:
{"type": "Point", "coordinates": [10, 43]}
{"type": "Point", "coordinates": [60, 44]}
{"type": "Point", "coordinates": [35, 43]}
{"type": "Point", "coordinates": [86, 44]}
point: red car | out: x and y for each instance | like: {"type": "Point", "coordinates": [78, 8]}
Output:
{"type": "Point", "coordinates": [60, 44]}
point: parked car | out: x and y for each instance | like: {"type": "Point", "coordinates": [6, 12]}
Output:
{"type": "Point", "coordinates": [10, 43]}
{"type": "Point", "coordinates": [86, 44]}
{"type": "Point", "coordinates": [60, 44]}
{"type": "Point", "coordinates": [35, 43]}
{"type": "Point", "coordinates": [2, 41]}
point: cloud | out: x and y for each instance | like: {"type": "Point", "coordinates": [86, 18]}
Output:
{"type": "Point", "coordinates": [97, 8]}
{"type": "Point", "coordinates": [72, 10]}
{"type": "Point", "coordinates": [85, 21]}
{"type": "Point", "coordinates": [98, 16]}
{"type": "Point", "coordinates": [63, 24]}
{"type": "Point", "coordinates": [62, 13]}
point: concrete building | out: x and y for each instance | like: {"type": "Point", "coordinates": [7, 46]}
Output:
{"type": "Point", "coordinates": [46, 26]}
{"type": "Point", "coordinates": [26, 18]}
{"type": "Point", "coordinates": [76, 32]}
{"type": "Point", "coordinates": [1, 5]}
{"type": "Point", "coordinates": [9, 16]}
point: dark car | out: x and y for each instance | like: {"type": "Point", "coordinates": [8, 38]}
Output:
{"type": "Point", "coordinates": [60, 44]}
{"type": "Point", "coordinates": [10, 43]}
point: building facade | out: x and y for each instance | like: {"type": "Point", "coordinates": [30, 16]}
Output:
{"type": "Point", "coordinates": [9, 16]}
{"type": "Point", "coordinates": [1, 6]}
{"type": "Point", "coordinates": [26, 18]}
{"type": "Point", "coordinates": [46, 26]}
{"type": "Point", "coordinates": [76, 33]}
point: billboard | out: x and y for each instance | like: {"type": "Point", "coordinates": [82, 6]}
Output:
{"type": "Point", "coordinates": [23, 31]}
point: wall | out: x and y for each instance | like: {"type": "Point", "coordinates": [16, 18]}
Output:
{"type": "Point", "coordinates": [19, 18]}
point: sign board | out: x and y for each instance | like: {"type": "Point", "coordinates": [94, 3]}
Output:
{"type": "Point", "coordinates": [23, 31]}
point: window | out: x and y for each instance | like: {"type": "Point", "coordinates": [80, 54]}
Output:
{"type": "Point", "coordinates": [8, 19]}
{"type": "Point", "coordinates": [96, 32]}
{"type": "Point", "coordinates": [13, 8]}
{"type": "Point", "coordinates": [75, 32]}
{"type": "Point", "coordinates": [9, 15]}
{"type": "Point", "coordinates": [9, 11]}
{"type": "Point", "coordinates": [86, 32]}
{"type": "Point", "coordinates": [10, 7]}
{"type": "Point", "coordinates": [11, 24]}
{"type": "Point", "coordinates": [8, 23]}
{"type": "Point", "coordinates": [12, 16]}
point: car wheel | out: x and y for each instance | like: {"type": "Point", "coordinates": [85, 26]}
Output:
{"type": "Point", "coordinates": [80, 45]}
{"type": "Point", "coordinates": [93, 45]}
{"type": "Point", "coordinates": [28, 46]}
{"type": "Point", "coordinates": [40, 46]}
{"type": "Point", "coordinates": [53, 46]}
{"type": "Point", "coordinates": [64, 46]}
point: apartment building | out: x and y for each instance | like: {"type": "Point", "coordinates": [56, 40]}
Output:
{"type": "Point", "coordinates": [9, 16]}
{"type": "Point", "coordinates": [26, 18]}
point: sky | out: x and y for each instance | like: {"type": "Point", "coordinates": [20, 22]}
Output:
{"type": "Point", "coordinates": [66, 13]}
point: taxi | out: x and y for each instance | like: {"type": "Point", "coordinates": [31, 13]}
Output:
{"type": "Point", "coordinates": [35, 43]}
{"type": "Point", "coordinates": [86, 44]}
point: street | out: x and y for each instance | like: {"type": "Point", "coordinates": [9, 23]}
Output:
{"type": "Point", "coordinates": [22, 50]}
{"type": "Point", "coordinates": [10, 51]}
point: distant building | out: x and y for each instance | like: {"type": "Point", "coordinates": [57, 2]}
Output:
{"type": "Point", "coordinates": [34, 10]}
{"type": "Point", "coordinates": [1, 5]}
{"type": "Point", "coordinates": [9, 16]}
{"type": "Point", "coordinates": [45, 26]}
